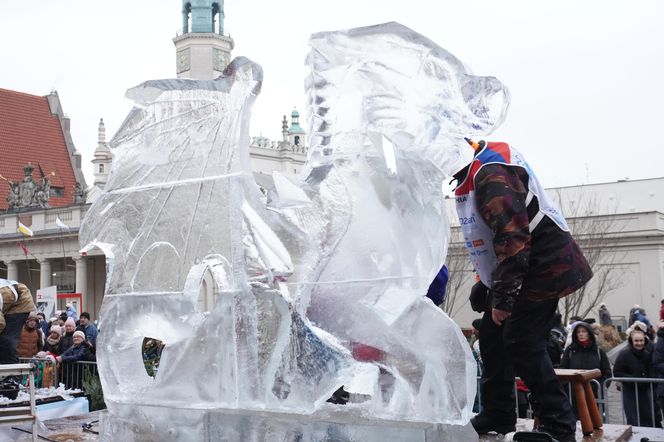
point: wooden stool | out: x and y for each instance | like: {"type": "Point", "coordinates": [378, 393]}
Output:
{"type": "Point", "coordinates": [585, 398]}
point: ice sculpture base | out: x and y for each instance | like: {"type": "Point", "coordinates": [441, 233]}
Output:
{"type": "Point", "coordinates": [158, 423]}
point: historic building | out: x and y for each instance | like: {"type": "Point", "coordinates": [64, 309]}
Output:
{"type": "Point", "coordinates": [42, 190]}
{"type": "Point", "coordinates": [42, 184]}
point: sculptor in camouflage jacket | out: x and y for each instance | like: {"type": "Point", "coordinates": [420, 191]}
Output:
{"type": "Point", "coordinates": [543, 264]}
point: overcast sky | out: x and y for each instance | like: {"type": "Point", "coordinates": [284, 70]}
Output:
{"type": "Point", "coordinates": [586, 77]}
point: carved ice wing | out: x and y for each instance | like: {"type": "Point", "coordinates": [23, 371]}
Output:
{"type": "Point", "coordinates": [179, 170]}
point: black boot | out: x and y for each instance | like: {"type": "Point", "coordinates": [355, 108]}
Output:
{"type": "Point", "coordinates": [483, 423]}
{"type": "Point", "coordinates": [557, 434]}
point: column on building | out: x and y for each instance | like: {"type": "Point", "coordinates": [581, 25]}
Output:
{"type": "Point", "coordinates": [44, 273]}
{"type": "Point", "coordinates": [81, 274]}
{"type": "Point", "coordinates": [12, 270]}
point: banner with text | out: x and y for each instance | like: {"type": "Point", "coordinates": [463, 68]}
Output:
{"type": "Point", "coordinates": [46, 300]}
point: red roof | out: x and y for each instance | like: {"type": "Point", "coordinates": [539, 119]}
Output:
{"type": "Point", "coordinates": [30, 133]}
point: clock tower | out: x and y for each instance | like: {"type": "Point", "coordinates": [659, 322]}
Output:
{"type": "Point", "coordinates": [202, 51]}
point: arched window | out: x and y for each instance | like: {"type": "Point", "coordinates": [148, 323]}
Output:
{"type": "Point", "coordinates": [207, 292]}
{"type": "Point", "coordinates": [101, 168]}
{"type": "Point", "coordinates": [186, 15]}
{"type": "Point", "coordinates": [297, 140]}
{"type": "Point", "coordinates": [216, 20]}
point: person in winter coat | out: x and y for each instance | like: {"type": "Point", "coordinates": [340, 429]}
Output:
{"type": "Point", "coordinates": [62, 318]}
{"type": "Point", "coordinates": [632, 314]}
{"type": "Point", "coordinates": [521, 247]}
{"type": "Point", "coordinates": [658, 366]}
{"type": "Point", "coordinates": [661, 311]}
{"type": "Point", "coordinates": [53, 340]}
{"type": "Point", "coordinates": [31, 340]}
{"type": "Point", "coordinates": [71, 312]}
{"type": "Point", "coordinates": [72, 374]}
{"type": "Point", "coordinates": [634, 361]}
{"type": "Point", "coordinates": [68, 337]}
{"type": "Point", "coordinates": [43, 323]}
{"type": "Point", "coordinates": [15, 306]}
{"type": "Point", "coordinates": [584, 354]}
{"type": "Point", "coordinates": [638, 325]}
{"type": "Point", "coordinates": [88, 328]}
{"type": "Point", "coordinates": [78, 351]}
{"type": "Point", "coordinates": [604, 315]}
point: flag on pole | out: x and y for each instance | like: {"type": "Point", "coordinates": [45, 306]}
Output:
{"type": "Point", "coordinates": [59, 223]}
{"type": "Point", "coordinates": [25, 249]}
{"type": "Point", "coordinates": [22, 228]}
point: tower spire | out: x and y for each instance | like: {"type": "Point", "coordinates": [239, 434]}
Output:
{"type": "Point", "coordinates": [101, 132]}
{"type": "Point", "coordinates": [202, 50]}
{"type": "Point", "coordinates": [102, 157]}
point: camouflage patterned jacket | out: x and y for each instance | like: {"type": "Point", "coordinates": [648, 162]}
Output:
{"type": "Point", "coordinates": [543, 264]}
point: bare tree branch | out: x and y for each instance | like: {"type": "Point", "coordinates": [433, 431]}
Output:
{"type": "Point", "coordinates": [596, 235]}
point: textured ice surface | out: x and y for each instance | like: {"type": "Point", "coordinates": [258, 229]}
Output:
{"type": "Point", "coordinates": [270, 305]}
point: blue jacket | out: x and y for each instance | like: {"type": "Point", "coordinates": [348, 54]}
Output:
{"type": "Point", "coordinates": [90, 333]}
{"type": "Point", "coordinates": [76, 353]}
{"type": "Point", "coordinates": [72, 313]}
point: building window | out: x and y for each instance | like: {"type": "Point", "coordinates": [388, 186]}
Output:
{"type": "Point", "coordinates": [297, 140]}
{"type": "Point", "coordinates": [101, 168]}
{"type": "Point", "coordinates": [294, 170]}
{"type": "Point", "coordinates": [57, 192]}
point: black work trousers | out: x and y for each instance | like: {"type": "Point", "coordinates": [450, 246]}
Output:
{"type": "Point", "coordinates": [10, 336]}
{"type": "Point", "coordinates": [518, 347]}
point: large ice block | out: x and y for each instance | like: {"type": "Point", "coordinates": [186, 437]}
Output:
{"type": "Point", "coordinates": [268, 306]}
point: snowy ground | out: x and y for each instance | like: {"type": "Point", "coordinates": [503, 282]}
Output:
{"type": "Point", "coordinates": [42, 393]}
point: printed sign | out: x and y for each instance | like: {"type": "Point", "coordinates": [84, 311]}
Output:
{"type": "Point", "coordinates": [46, 300]}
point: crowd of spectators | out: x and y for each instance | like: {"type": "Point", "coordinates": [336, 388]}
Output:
{"type": "Point", "coordinates": [584, 343]}
{"type": "Point", "coordinates": [64, 338]}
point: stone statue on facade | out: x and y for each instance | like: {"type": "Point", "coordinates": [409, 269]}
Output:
{"type": "Point", "coordinates": [42, 192]}
{"type": "Point", "coordinates": [28, 193]}
{"type": "Point", "coordinates": [14, 196]}
{"type": "Point", "coordinates": [28, 187]}
{"type": "Point", "coordinates": [79, 194]}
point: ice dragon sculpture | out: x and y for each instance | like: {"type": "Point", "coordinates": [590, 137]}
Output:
{"type": "Point", "coordinates": [320, 286]}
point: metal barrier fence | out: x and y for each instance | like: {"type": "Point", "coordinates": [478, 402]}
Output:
{"type": "Point", "coordinates": [46, 372]}
{"type": "Point", "coordinates": [645, 412]}
{"type": "Point", "coordinates": [71, 374]}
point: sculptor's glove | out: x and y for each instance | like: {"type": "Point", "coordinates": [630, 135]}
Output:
{"type": "Point", "coordinates": [478, 297]}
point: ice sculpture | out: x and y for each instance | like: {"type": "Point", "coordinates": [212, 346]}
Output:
{"type": "Point", "coordinates": [321, 285]}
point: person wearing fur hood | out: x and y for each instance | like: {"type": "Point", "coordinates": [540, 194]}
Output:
{"type": "Point", "coordinates": [634, 361]}
{"type": "Point", "coordinates": [584, 354]}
